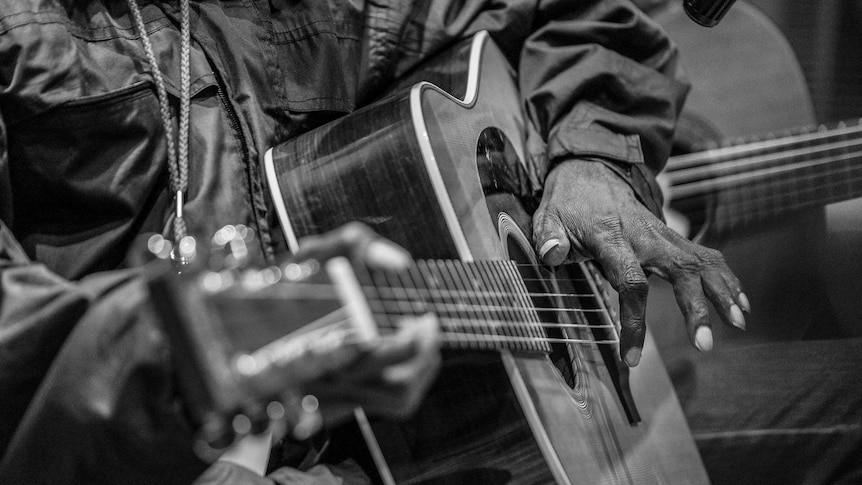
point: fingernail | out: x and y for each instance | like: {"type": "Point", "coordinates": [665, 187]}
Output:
{"type": "Point", "coordinates": [736, 317]}
{"type": "Point", "coordinates": [547, 247]}
{"type": "Point", "coordinates": [633, 356]}
{"type": "Point", "coordinates": [743, 302]}
{"type": "Point", "coordinates": [703, 338]}
{"type": "Point", "coordinates": [387, 255]}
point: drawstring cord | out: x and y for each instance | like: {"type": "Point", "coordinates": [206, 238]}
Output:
{"type": "Point", "coordinates": [178, 154]}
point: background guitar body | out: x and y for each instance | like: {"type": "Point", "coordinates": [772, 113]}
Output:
{"type": "Point", "coordinates": [420, 167]}
{"type": "Point", "coordinates": [746, 81]}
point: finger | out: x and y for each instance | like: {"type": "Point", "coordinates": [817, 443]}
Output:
{"type": "Point", "coordinates": [691, 299]}
{"type": "Point", "coordinates": [358, 241]}
{"type": "Point", "coordinates": [424, 331]}
{"type": "Point", "coordinates": [345, 240]}
{"type": "Point", "coordinates": [723, 298]}
{"type": "Point", "coordinates": [397, 391]}
{"type": "Point", "coordinates": [388, 351]}
{"type": "Point", "coordinates": [625, 274]}
{"type": "Point", "coordinates": [416, 337]}
{"type": "Point", "coordinates": [719, 283]}
{"type": "Point", "coordinates": [735, 286]}
{"type": "Point", "coordinates": [549, 238]}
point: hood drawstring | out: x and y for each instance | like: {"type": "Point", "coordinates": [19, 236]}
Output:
{"type": "Point", "coordinates": [178, 156]}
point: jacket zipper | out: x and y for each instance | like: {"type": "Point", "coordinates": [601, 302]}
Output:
{"type": "Point", "coordinates": [249, 166]}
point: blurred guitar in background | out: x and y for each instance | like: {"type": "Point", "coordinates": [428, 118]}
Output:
{"type": "Point", "coordinates": [765, 212]}
{"type": "Point", "coordinates": [773, 404]}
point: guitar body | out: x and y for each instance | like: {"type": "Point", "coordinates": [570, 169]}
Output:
{"type": "Point", "coordinates": [440, 174]}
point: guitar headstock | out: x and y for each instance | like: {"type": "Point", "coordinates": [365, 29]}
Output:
{"type": "Point", "coordinates": [246, 337]}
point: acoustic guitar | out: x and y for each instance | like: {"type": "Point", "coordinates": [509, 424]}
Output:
{"type": "Point", "coordinates": [531, 389]}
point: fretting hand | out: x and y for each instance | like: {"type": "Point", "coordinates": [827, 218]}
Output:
{"type": "Point", "coordinates": [387, 377]}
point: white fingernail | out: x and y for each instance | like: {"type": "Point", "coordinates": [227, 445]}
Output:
{"type": "Point", "coordinates": [743, 302]}
{"type": "Point", "coordinates": [633, 356]}
{"type": "Point", "coordinates": [548, 246]}
{"type": "Point", "coordinates": [703, 338]}
{"type": "Point", "coordinates": [736, 317]}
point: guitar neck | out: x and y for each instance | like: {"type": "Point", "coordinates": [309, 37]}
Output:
{"type": "Point", "coordinates": [748, 183]}
{"type": "Point", "coordinates": [483, 305]}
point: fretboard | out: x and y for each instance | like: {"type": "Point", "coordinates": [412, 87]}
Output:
{"type": "Point", "coordinates": [481, 305]}
{"type": "Point", "coordinates": [755, 181]}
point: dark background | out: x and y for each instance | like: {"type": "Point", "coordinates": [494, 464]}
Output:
{"type": "Point", "coordinates": [827, 38]}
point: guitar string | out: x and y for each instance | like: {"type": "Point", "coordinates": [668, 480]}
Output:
{"type": "Point", "coordinates": [459, 323]}
{"type": "Point", "coordinates": [493, 324]}
{"type": "Point", "coordinates": [768, 203]}
{"type": "Point", "coordinates": [456, 323]}
{"type": "Point", "coordinates": [316, 294]}
{"type": "Point", "coordinates": [387, 304]}
{"type": "Point", "coordinates": [503, 339]}
{"type": "Point", "coordinates": [691, 189]}
{"type": "Point", "coordinates": [476, 293]}
{"type": "Point", "coordinates": [771, 198]}
{"type": "Point", "coordinates": [761, 199]}
{"type": "Point", "coordinates": [452, 337]}
{"type": "Point", "coordinates": [827, 166]}
{"type": "Point", "coordinates": [312, 291]}
{"type": "Point", "coordinates": [835, 164]}
{"type": "Point", "coordinates": [706, 157]}
{"type": "Point", "coordinates": [722, 166]}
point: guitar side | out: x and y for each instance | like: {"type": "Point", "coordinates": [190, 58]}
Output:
{"type": "Point", "coordinates": [492, 417]}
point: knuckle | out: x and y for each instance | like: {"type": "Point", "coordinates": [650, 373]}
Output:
{"type": "Point", "coordinates": [646, 228]}
{"type": "Point", "coordinates": [682, 261]}
{"type": "Point", "coordinates": [610, 229]}
{"type": "Point", "coordinates": [699, 311]}
{"type": "Point", "coordinates": [633, 328]}
{"type": "Point", "coordinates": [635, 281]}
{"type": "Point", "coordinates": [355, 231]}
{"type": "Point", "coordinates": [308, 241]}
{"type": "Point", "coordinates": [712, 256]}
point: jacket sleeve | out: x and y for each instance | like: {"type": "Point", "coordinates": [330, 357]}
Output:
{"type": "Point", "coordinates": [601, 81]}
{"type": "Point", "coordinates": [86, 382]}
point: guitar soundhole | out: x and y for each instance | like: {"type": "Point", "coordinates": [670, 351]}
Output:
{"type": "Point", "coordinates": [503, 178]}
{"type": "Point", "coordinates": [550, 309]}
{"type": "Point", "coordinates": [500, 169]}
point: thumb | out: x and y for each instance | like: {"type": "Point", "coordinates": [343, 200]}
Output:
{"type": "Point", "coordinates": [549, 238]}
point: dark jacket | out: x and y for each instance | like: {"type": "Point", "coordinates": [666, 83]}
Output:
{"type": "Point", "coordinates": [86, 388]}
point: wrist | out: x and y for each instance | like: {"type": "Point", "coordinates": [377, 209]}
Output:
{"type": "Point", "coordinates": [636, 175]}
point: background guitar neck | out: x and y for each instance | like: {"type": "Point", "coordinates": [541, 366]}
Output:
{"type": "Point", "coordinates": [746, 183]}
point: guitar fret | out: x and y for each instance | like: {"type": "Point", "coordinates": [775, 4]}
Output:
{"type": "Point", "coordinates": [481, 298]}
{"type": "Point", "coordinates": [498, 283]}
{"type": "Point", "coordinates": [489, 295]}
